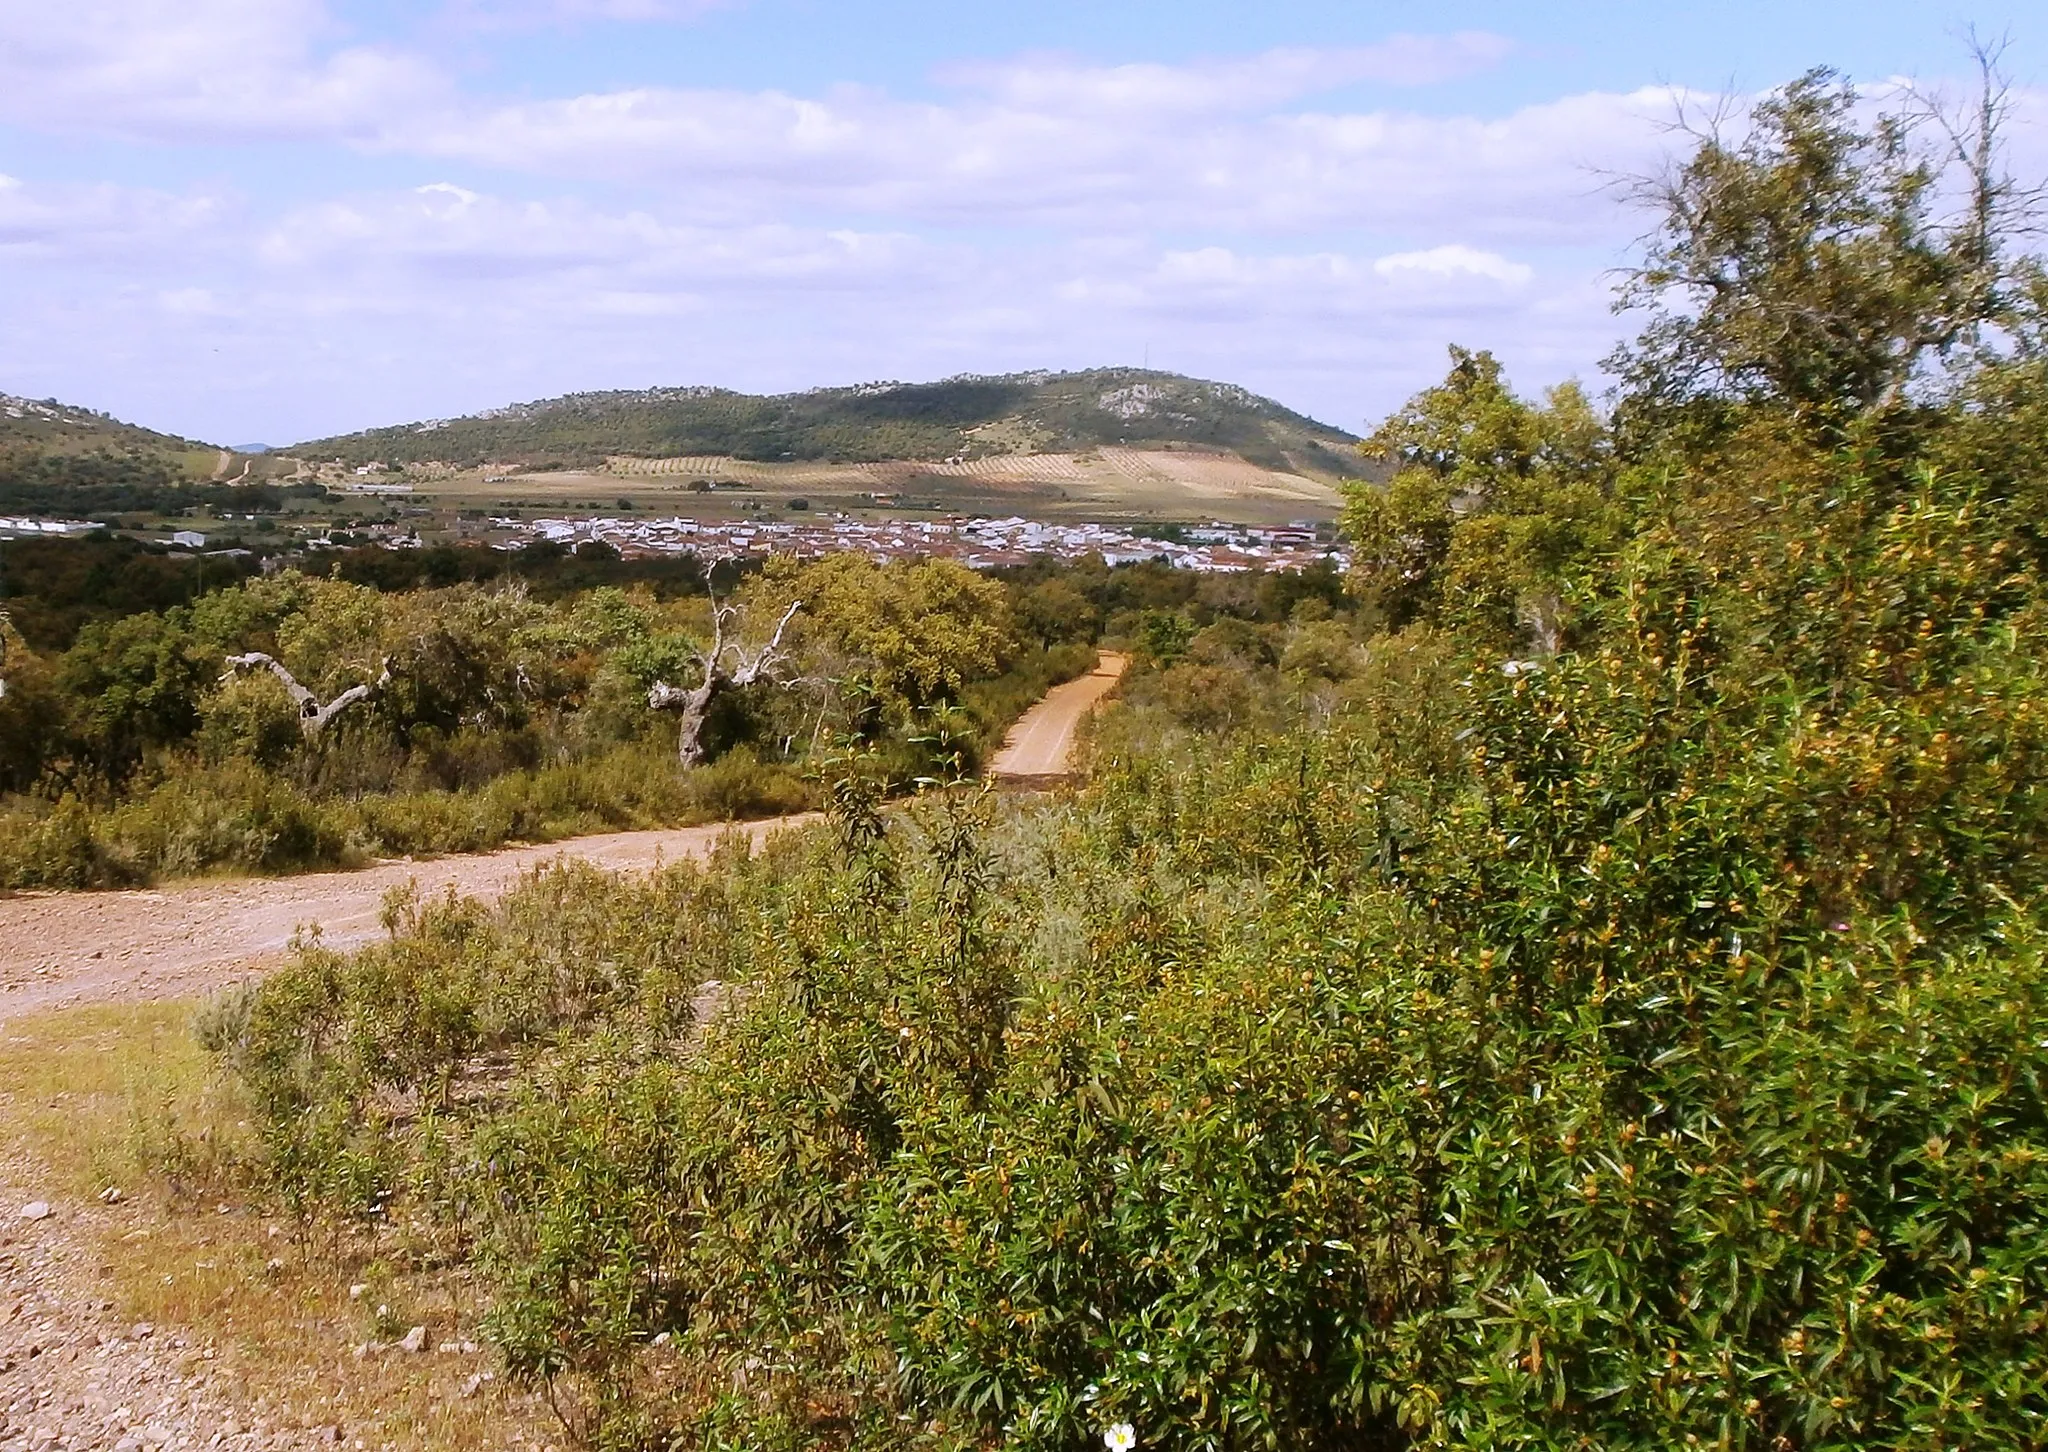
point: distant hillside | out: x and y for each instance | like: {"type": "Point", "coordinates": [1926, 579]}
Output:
{"type": "Point", "coordinates": [56, 459]}
{"type": "Point", "coordinates": [970, 417]}
{"type": "Point", "coordinates": [45, 426]}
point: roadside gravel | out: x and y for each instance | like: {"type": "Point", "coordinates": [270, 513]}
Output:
{"type": "Point", "coordinates": [73, 1376]}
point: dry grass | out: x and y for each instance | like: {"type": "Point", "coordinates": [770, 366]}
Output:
{"type": "Point", "coordinates": [122, 1096]}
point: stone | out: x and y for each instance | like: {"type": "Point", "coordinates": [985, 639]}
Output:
{"type": "Point", "coordinates": [474, 1385]}
{"type": "Point", "coordinates": [112, 1195]}
{"type": "Point", "coordinates": [413, 1340]}
{"type": "Point", "coordinates": [357, 1291]}
{"type": "Point", "coordinates": [36, 1210]}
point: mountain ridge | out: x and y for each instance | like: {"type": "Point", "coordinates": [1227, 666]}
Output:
{"type": "Point", "coordinates": [966, 416]}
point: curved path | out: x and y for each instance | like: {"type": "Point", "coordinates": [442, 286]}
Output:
{"type": "Point", "coordinates": [63, 948]}
{"type": "Point", "coordinates": [1041, 744]}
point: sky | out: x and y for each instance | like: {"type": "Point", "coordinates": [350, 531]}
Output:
{"type": "Point", "coordinates": [271, 220]}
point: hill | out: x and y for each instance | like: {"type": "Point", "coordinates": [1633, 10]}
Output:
{"type": "Point", "coordinates": [965, 418]}
{"type": "Point", "coordinates": [45, 426]}
{"type": "Point", "coordinates": [56, 459]}
{"type": "Point", "coordinates": [59, 459]}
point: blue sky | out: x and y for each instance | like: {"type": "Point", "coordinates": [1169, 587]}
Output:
{"type": "Point", "coordinates": [265, 220]}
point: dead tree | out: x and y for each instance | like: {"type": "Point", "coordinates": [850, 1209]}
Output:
{"type": "Point", "coordinates": [747, 668]}
{"type": "Point", "coordinates": [314, 718]}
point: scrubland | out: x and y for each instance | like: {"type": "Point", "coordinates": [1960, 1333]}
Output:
{"type": "Point", "coordinates": [1582, 987]}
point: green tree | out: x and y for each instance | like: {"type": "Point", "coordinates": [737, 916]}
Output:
{"type": "Point", "coordinates": [916, 632]}
{"type": "Point", "coordinates": [1811, 258]}
{"type": "Point", "coordinates": [1493, 504]}
{"type": "Point", "coordinates": [1054, 612]}
{"type": "Point", "coordinates": [135, 683]}
{"type": "Point", "coordinates": [31, 712]}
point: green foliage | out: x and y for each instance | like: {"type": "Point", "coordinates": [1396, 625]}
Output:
{"type": "Point", "coordinates": [52, 587]}
{"type": "Point", "coordinates": [31, 711]}
{"type": "Point", "coordinates": [138, 681]}
{"type": "Point", "coordinates": [1634, 1042]}
{"type": "Point", "coordinates": [1055, 612]}
{"type": "Point", "coordinates": [1816, 262]}
{"type": "Point", "coordinates": [871, 423]}
{"type": "Point", "coordinates": [548, 571]}
{"type": "Point", "coordinates": [1495, 506]}
{"type": "Point", "coordinates": [916, 633]}
{"type": "Point", "coordinates": [1639, 1049]}
{"type": "Point", "coordinates": [236, 817]}
{"type": "Point", "coordinates": [251, 717]}
{"type": "Point", "coordinates": [1163, 636]}
{"type": "Point", "coordinates": [483, 714]}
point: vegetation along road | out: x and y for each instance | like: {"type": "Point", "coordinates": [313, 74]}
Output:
{"type": "Point", "coordinates": [71, 948]}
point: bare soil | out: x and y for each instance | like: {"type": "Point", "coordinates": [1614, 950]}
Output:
{"type": "Point", "coordinates": [1041, 744]}
{"type": "Point", "coordinates": [61, 949]}
{"type": "Point", "coordinates": [74, 1375]}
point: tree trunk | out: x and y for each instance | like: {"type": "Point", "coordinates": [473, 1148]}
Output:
{"type": "Point", "coordinates": [695, 706]}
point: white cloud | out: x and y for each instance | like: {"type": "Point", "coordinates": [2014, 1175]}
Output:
{"type": "Point", "coordinates": [1322, 247]}
{"type": "Point", "coordinates": [91, 227]}
{"type": "Point", "coordinates": [1041, 141]}
{"type": "Point", "coordinates": [1061, 84]}
{"type": "Point", "coordinates": [1529, 175]}
{"type": "Point", "coordinates": [1452, 261]}
{"type": "Point", "coordinates": [200, 70]}
{"type": "Point", "coordinates": [441, 298]}
{"type": "Point", "coordinates": [528, 14]}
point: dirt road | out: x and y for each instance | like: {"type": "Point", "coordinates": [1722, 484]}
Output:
{"type": "Point", "coordinates": [63, 948]}
{"type": "Point", "coordinates": [1041, 744]}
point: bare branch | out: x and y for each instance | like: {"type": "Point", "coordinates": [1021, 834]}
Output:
{"type": "Point", "coordinates": [314, 718]}
{"type": "Point", "coordinates": [662, 696]}
{"type": "Point", "coordinates": [769, 656]}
